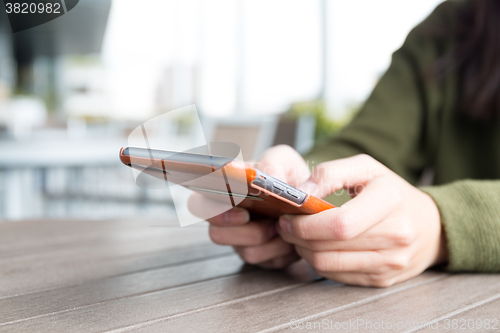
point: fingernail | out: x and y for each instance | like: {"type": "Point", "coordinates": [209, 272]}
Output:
{"type": "Point", "coordinates": [285, 224]}
{"type": "Point", "coordinates": [308, 187]}
{"type": "Point", "coordinates": [236, 216]}
{"type": "Point", "coordinates": [244, 215]}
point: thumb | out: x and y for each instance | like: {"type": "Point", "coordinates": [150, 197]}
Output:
{"type": "Point", "coordinates": [285, 164]}
{"type": "Point", "coordinates": [344, 173]}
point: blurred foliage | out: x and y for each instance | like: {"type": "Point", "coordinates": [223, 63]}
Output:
{"type": "Point", "coordinates": [325, 125]}
{"type": "Point", "coordinates": [91, 119]}
{"type": "Point", "coordinates": [186, 121]}
{"type": "Point", "coordinates": [83, 60]}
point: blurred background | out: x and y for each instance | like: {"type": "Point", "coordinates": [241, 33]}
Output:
{"type": "Point", "coordinates": [259, 72]}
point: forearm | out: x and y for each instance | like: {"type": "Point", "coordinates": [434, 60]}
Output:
{"type": "Point", "coordinates": [470, 214]}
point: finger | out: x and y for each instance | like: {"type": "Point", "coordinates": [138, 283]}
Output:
{"type": "Point", "coordinates": [376, 202]}
{"type": "Point", "coordinates": [216, 212]}
{"type": "Point", "coordinates": [346, 173]}
{"type": "Point", "coordinates": [373, 239]}
{"type": "Point", "coordinates": [249, 234]}
{"type": "Point", "coordinates": [284, 163]}
{"type": "Point", "coordinates": [400, 269]}
{"type": "Point", "coordinates": [383, 280]}
{"type": "Point", "coordinates": [273, 249]}
{"type": "Point", "coordinates": [358, 279]}
{"type": "Point", "coordinates": [280, 262]}
{"type": "Point", "coordinates": [233, 217]}
{"type": "Point", "coordinates": [354, 279]}
{"type": "Point", "coordinates": [344, 261]}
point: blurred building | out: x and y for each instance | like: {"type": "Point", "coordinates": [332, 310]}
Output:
{"type": "Point", "coordinates": [71, 90]}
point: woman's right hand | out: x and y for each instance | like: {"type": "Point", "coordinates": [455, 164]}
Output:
{"type": "Point", "coordinates": [256, 240]}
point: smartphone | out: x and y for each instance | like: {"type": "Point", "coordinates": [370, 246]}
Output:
{"type": "Point", "coordinates": [220, 178]}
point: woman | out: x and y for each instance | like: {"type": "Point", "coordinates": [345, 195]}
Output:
{"type": "Point", "coordinates": [437, 107]}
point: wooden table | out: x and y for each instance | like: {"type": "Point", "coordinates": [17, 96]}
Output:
{"type": "Point", "coordinates": [101, 276]}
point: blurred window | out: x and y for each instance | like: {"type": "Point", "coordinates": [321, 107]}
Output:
{"type": "Point", "coordinates": [255, 56]}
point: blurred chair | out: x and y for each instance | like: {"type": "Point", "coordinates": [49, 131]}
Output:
{"type": "Point", "coordinates": [79, 178]}
{"type": "Point", "coordinates": [253, 134]}
{"type": "Point", "coordinates": [296, 132]}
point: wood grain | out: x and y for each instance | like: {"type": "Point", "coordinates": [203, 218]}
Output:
{"type": "Point", "coordinates": [101, 290]}
{"type": "Point", "coordinates": [119, 276]}
{"type": "Point", "coordinates": [482, 316]}
{"type": "Point", "coordinates": [68, 253]}
{"type": "Point", "coordinates": [61, 270]}
{"type": "Point", "coordinates": [279, 308]}
{"type": "Point", "coordinates": [40, 237]}
{"type": "Point", "coordinates": [418, 306]}
{"type": "Point", "coordinates": [133, 311]}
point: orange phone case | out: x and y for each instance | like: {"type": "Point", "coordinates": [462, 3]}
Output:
{"type": "Point", "coordinates": [257, 200]}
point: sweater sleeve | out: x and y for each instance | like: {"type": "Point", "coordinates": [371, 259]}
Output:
{"type": "Point", "coordinates": [470, 214]}
{"type": "Point", "coordinates": [396, 124]}
{"type": "Point", "coordinates": [399, 126]}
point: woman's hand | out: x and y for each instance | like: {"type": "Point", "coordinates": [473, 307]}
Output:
{"type": "Point", "coordinates": [256, 240]}
{"type": "Point", "coordinates": [389, 232]}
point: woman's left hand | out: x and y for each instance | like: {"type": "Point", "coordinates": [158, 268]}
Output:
{"type": "Point", "coordinates": [389, 232]}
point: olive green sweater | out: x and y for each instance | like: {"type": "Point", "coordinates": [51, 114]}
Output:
{"type": "Point", "coordinates": [411, 124]}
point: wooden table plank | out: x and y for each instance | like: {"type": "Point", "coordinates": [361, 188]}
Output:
{"type": "Point", "coordinates": [65, 271]}
{"type": "Point", "coordinates": [279, 308]}
{"type": "Point", "coordinates": [51, 238]}
{"type": "Point", "coordinates": [32, 234]}
{"type": "Point", "coordinates": [412, 309]}
{"type": "Point", "coordinates": [112, 250]}
{"type": "Point", "coordinates": [483, 316]}
{"type": "Point", "coordinates": [183, 300]}
{"type": "Point", "coordinates": [119, 287]}
{"type": "Point", "coordinates": [21, 278]}
{"type": "Point", "coordinates": [93, 276]}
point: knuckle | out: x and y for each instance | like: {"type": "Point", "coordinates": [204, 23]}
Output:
{"type": "Point", "coordinates": [342, 227]}
{"type": "Point", "coordinates": [216, 235]}
{"type": "Point", "coordinates": [380, 280]}
{"type": "Point", "coordinates": [398, 262]}
{"type": "Point", "coordinates": [300, 230]}
{"type": "Point", "coordinates": [384, 283]}
{"type": "Point", "coordinates": [249, 255]}
{"type": "Point", "coordinates": [323, 166]}
{"type": "Point", "coordinates": [404, 237]}
{"type": "Point", "coordinates": [365, 158]}
{"type": "Point", "coordinates": [320, 262]}
{"type": "Point", "coordinates": [371, 162]}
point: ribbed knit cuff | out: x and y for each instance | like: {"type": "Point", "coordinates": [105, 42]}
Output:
{"type": "Point", "coordinates": [470, 214]}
